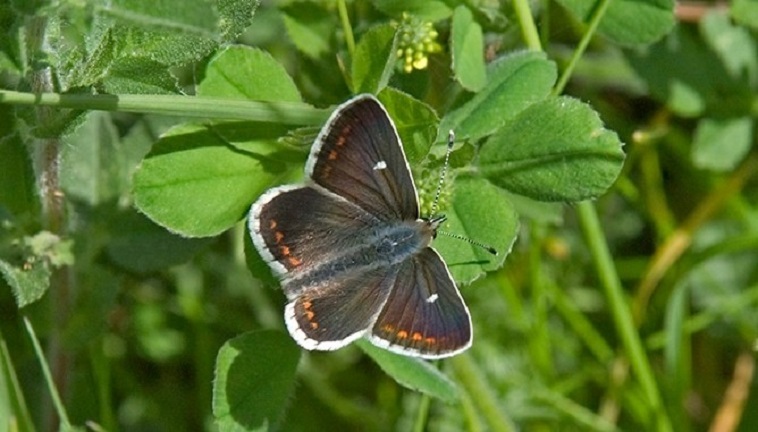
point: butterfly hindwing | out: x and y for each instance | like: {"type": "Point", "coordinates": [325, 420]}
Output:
{"type": "Point", "coordinates": [336, 312]}
{"type": "Point", "coordinates": [358, 156]}
{"type": "Point", "coordinates": [425, 315]}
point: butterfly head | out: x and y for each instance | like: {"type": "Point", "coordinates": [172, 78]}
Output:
{"type": "Point", "coordinates": [434, 222]}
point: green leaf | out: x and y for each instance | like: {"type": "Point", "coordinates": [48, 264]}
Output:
{"type": "Point", "coordinates": [28, 282]}
{"type": "Point", "coordinates": [720, 144]}
{"type": "Point", "coordinates": [555, 150]}
{"type": "Point", "coordinates": [430, 10]}
{"type": "Point", "coordinates": [415, 121]}
{"type": "Point", "coordinates": [255, 376]}
{"type": "Point", "coordinates": [85, 65]}
{"type": "Point", "coordinates": [241, 72]}
{"type": "Point", "coordinates": [141, 246]}
{"type": "Point", "coordinates": [467, 50]}
{"type": "Point", "coordinates": [17, 184]}
{"type": "Point", "coordinates": [10, 55]}
{"type": "Point", "coordinates": [734, 45]}
{"type": "Point", "coordinates": [628, 22]}
{"type": "Point", "coordinates": [170, 49]}
{"type": "Point", "coordinates": [193, 18]}
{"type": "Point", "coordinates": [745, 12]}
{"type": "Point", "coordinates": [374, 59]}
{"type": "Point", "coordinates": [28, 272]}
{"type": "Point", "coordinates": [235, 17]}
{"type": "Point", "coordinates": [92, 166]}
{"type": "Point", "coordinates": [722, 282]}
{"type": "Point", "coordinates": [200, 180]}
{"type": "Point", "coordinates": [513, 83]}
{"type": "Point", "coordinates": [688, 90]}
{"type": "Point", "coordinates": [139, 75]}
{"type": "Point", "coordinates": [412, 373]}
{"type": "Point", "coordinates": [481, 212]}
{"type": "Point", "coordinates": [310, 27]}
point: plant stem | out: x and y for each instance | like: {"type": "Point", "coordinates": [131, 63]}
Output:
{"type": "Point", "coordinates": [65, 424]}
{"type": "Point", "coordinates": [620, 310]}
{"type": "Point", "coordinates": [680, 239]}
{"type": "Point", "coordinates": [45, 152]}
{"type": "Point", "coordinates": [423, 413]}
{"type": "Point", "coordinates": [474, 383]}
{"type": "Point", "coordinates": [292, 113]}
{"type": "Point", "coordinates": [101, 370]}
{"type": "Point", "coordinates": [737, 394]}
{"type": "Point", "coordinates": [12, 389]}
{"type": "Point", "coordinates": [583, 43]}
{"type": "Point", "coordinates": [346, 27]}
{"type": "Point", "coordinates": [528, 29]}
{"type": "Point", "coordinates": [539, 343]}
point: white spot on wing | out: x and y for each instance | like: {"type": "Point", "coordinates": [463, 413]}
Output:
{"type": "Point", "coordinates": [380, 165]}
{"type": "Point", "coordinates": [432, 298]}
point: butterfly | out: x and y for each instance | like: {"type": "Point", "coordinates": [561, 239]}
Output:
{"type": "Point", "coordinates": [353, 255]}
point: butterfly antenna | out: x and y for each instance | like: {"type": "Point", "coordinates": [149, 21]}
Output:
{"type": "Point", "coordinates": [488, 248]}
{"type": "Point", "coordinates": [450, 142]}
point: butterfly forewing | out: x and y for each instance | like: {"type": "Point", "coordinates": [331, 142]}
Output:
{"type": "Point", "coordinates": [424, 315]}
{"type": "Point", "coordinates": [295, 245]}
{"type": "Point", "coordinates": [358, 156]}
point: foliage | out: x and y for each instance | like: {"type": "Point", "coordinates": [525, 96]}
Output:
{"type": "Point", "coordinates": [604, 148]}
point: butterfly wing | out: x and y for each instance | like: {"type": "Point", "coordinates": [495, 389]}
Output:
{"type": "Point", "coordinates": [340, 310]}
{"type": "Point", "coordinates": [358, 156]}
{"type": "Point", "coordinates": [298, 228]}
{"type": "Point", "coordinates": [424, 315]}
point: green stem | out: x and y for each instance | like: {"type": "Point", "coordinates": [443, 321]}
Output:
{"type": "Point", "coordinates": [65, 424]}
{"type": "Point", "coordinates": [545, 22]}
{"type": "Point", "coordinates": [101, 369]}
{"type": "Point", "coordinates": [423, 413]}
{"type": "Point", "coordinates": [581, 326]}
{"type": "Point", "coordinates": [583, 43]}
{"type": "Point", "coordinates": [539, 343]}
{"type": "Point", "coordinates": [620, 310]}
{"type": "Point", "coordinates": [293, 113]}
{"type": "Point", "coordinates": [14, 395]}
{"type": "Point", "coordinates": [528, 29]}
{"type": "Point", "coordinates": [346, 27]}
{"type": "Point", "coordinates": [472, 380]}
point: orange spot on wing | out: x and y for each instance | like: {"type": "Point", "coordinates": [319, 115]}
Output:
{"type": "Point", "coordinates": [332, 155]}
{"type": "Point", "coordinates": [278, 236]}
{"type": "Point", "coordinates": [309, 314]}
{"type": "Point", "coordinates": [417, 336]}
{"type": "Point", "coordinates": [430, 341]}
{"type": "Point", "coordinates": [294, 261]}
{"type": "Point", "coordinates": [285, 250]}
{"type": "Point", "coordinates": [272, 223]}
{"type": "Point", "coordinates": [340, 141]}
{"type": "Point", "coordinates": [307, 305]}
{"type": "Point", "coordinates": [314, 325]}
{"type": "Point", "coordinates": [402, 334]}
